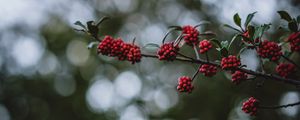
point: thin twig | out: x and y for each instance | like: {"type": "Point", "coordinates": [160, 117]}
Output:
{"type": "Point", "coordinates": [280, 106]}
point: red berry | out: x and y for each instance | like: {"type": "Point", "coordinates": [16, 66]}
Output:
{"type": "Point", "coordinates": [230, 62]}
{"type": "Point", "coordinates": [124, 48]}
{"type": "Point", "coordinates": [204, 46]}
{"type": "Point", "coordinates": [270, 50]}
{"type": "Point", "coordinates": [208, 70]}
{"type": "Point", "coordinates": [190, 35]}
{"type": "Point", "coordinates": [167, 52]}
{"type": "Point", "coordinates": [294, 40]}
{"type": "Point", "coordinates": [250, 106]}
{"type": "Point", "coordinates": [238, 76]}
{"type": "Point", "coordinates": [284, 69]}
{"type": "Point", "coordinates": [134, 54]}
{"type": "Point", "coordinates": [185, 84]}
{"type": "Point", "coordinates": [104, 46]}
{"type": "Point", "coordinates": [116, 47]}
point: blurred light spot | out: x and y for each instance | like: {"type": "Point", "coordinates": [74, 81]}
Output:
{"type": "Point", "coordinates": [4, 113]}
{"type": "Point", "coordinates": [27, 51]}
{"type": "Point", "coordinates": [237, 114]}
{"type": "Point", "coordinates": [125, 5]}
{"type": "Point", "coordinates": [77, 52]}
{"type": "Point", "coordinates": [290, 97]}
{"type": "Point", "coordinates": [188, 18]}
{"type": "Point", "coordinates": [249, 58]}
{"type": "Point", "coordinates": [65, 86]}
{"type": "Point", "coordinates": [165, 99]}
{"type": "Point", "coordinates": [128, 84]}
{"type": "Point", "coordinates": [48, 64]}
{"type": "Point", "coordinates": [132, 113]}
{"type": "Point", "coordinates": [153, 33]}
{"type": "Point", "coordinates": [100, 95]}
{"type": "Point", "coordinates": [169, 12]}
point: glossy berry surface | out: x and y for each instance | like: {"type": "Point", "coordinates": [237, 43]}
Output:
{"type": "Point", "coordinates": [167, 52]}
{"type": "Point", "coordinates": [104, 46]}
{"type": "Point", "coordinates": [185, 84]}
{"type": "Point", "coordinates": [134, 54]}
{"type": "Point", "coordinates": [270, 50]}
{"type": "Point", "coordinates": [230, 62]}
{"type": "Point", "coordinates": [250, 106]}
{"type": "Point", "coordinates": [238, 76]}
{"type": "Point", "coordinates": [190, 35]}
{"type": "Point", "coordinates": [284, 69]}
{"type": "Point", "coordinates": [204, 46]}
{"type": "Point", "coordinates": [208, 70]}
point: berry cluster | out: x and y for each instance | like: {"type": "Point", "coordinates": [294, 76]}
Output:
{"type": "Point", "coordinates": [204, 46]}
{"type": "Point", "coordinates": [185, 84]}
{"type": "Point", "coordinates": [284, 69]}
{"type": "Point", "coordinates": [190, 35]}
{"type": "Point", "coordinates": [168, 52]}
{"type": "Point", "coordinates": [230, 62]}
{"type": "Point", "coordinates": [250, 106]}
{"type": "Point", "coordinates": [238, 76]}
{"type": "Point", "coordinates": [118, 48]}
{"type": "Point", "coordinates": [294, 40]}
{"type": "Point", "coordinates": [208, 70]}
{"type": "Point", "coordinates": [270, 50]}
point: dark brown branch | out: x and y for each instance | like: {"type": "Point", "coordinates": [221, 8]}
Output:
{"type": "Point", "coordinates": [280, 106]}
{"type": "Point", "coordinates": [251, 72]}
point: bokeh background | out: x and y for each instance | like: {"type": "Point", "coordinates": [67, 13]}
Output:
{"type": "Point", "coordinates": [47, 72]}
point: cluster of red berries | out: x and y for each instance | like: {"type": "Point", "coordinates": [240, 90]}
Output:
{"type": "Point", "coordinates": [250, 106]}
{"type": "Point", "coordinates": [168, 52]}
{"type": "Point", "coordinates": [118, 48]}
{"type": "Point", "coordinates": [238, 76]}
{"type": "Point", "coordinates": [230, 62]}
{"type": "Point", "coordinates": [294, 40]}
{"type": "Point", "coordinates": [204, 46]}
{"type": "Point", "coordinates": [190, 35]}
{"type": "Point", "coordinates": [270, 50]}
{"type": "Point", "coordinates": [185, 84]}
{"type": "Point", "coordinates": [284, 69]}
{"type": "Point", "coordinates": [208, 70]}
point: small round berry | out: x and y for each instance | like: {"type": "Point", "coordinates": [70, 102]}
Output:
{"type": "Point", "coordinates": [190, 35]}
{"type": "Point", "coordinates": [185, 84]}
{"type": "Point", "coordinates": [294, 40]}
{"type": "Point", "coordinates": [238, 77]}
{"type": "Point", "coordinates": [208, 70]}
{"type": "Point", "coordinates": [167, 52]}
{"type": "Point", "coordinates": [284, 69]}
{"type": "Point", "coordinates": [250, 106]}
{"type": "Point", "coordinates": [124, 48]}
{"type": "Point", "coordinates": [230, 62]}
{"type": "Point", "coordinates": [134, 54]}
{"type": "Point", "coordinates": [104, 46]}
{"type": "Point", "coordinates": [116, 47]}
{"type": "Point", "coordinates": [270, 50]}
{"type": "Point", "coordinates": [204, 46]}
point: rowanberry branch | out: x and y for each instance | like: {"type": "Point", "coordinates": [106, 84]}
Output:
{"type": "Point", "coordinates": [280, 106]}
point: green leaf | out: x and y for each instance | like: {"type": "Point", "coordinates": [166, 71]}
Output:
{"type": "Point", "coordinates": [260, 30]}
{"type": "Point", "coordinates": [249, 18]}
{"type": "Point", "coordinates": [237, 36]}
{"type": "Point", "coordinates": [224, 44]}
{"type": "Point", "coordinates": [92, 44]}
{"type": "Point", "coordinates": [202, 23]}
{"type": "Point", "coordinates": [216, 42]}
{"type": "Point", "coordinates": [102, 20]}
{"type": "Point", "coordinates": [237, 19]}
{"type": "Point", "coordinates": [228, 26]}
{"type": "Point", "coordinates": [80, 24]}
{"type": "Point", "coordinates": [251, 31]}
{"type": "Point", "coordinates": [224, 52]}
{"type": "Point", "coordinates": [284, 15]}
{"type": "Point", "coordinates": [293, 26]}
